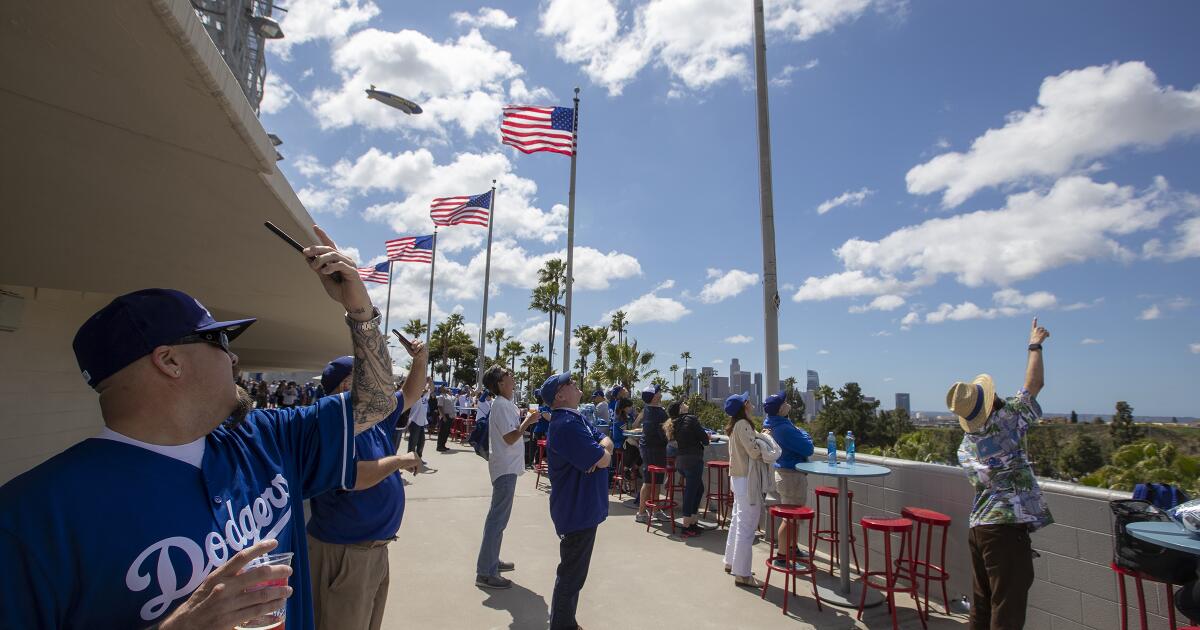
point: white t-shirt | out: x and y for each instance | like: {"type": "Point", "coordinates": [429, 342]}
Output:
{"type": "Point", "coordinates": [483, 406]}
{"type": "Point", "coordinates": [418, 415]}
{"type": "Point", "coordinates": [504, 458]}
{"type": "Point", "coordinates": [190, 453]}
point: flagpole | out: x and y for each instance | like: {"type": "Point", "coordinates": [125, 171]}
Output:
{"type": "Point", "coordinates": [429, 311]}
{"type": "Point", "coordinates": [388, 311]}
{"type": "Point", "coordinates": [767, 215]}
{"type": "Point", "coordinates": [570, 240]}
{"type": "Point", "coordinates": [487, 277]}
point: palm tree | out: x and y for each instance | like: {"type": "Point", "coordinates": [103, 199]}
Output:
{"type": "Point", "coordinates": [513, 350]}
{"type": "Point", "coordinates": [414, 328]}
{"type": "Point", "coordinates": [626, 366]}
{"type": "Point", "coordinates": [826, 395]}
{"type": "Point", "coordinates": [674, 368]}
{"type": "Point", "coordinates": [547, 296]}
{"type": "Point", "coordinates": [687, 383]}
{"type": "Point", "coordinates": [789, 385]}
{"type": "Point", "coordinates": [704, 384]}
{"type": "Point", "coordinates": [620, 324]}
{"type": "Point", "coordinates": [496, 335]}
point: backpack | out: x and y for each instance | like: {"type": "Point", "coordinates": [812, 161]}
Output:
{"type": "Point", "coordinates": [1160, 563]}
{"type": "Point", "coordinates": [479, 438]}
{"type": "Point", "coordinates": [1163, 496]}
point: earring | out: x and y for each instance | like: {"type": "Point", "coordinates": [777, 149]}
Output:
{"type": "Point", "coordinates": [177, 372]}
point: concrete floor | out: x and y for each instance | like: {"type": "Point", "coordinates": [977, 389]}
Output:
{"type": "Point", "coordinates": [637, 579]}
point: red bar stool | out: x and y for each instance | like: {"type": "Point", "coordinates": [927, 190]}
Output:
{"type": "Point", "coordinates": [540, 465]}
{"type": "Point", "coordinates": [926, 520]}
{"type": "Point", "coordinates": [831, 534]}
{"type": "Point", "coordinates": [1122, 573]}
{"type": "Point", "coordinates": [677, 478]}
{"type": "Point", "coordinates": [468, 427]}
{"type": "Point", "coordinates": [790, 569]}
{"type": "Point", "coordinates": [723, 493]}
{"type": "Point", "coordinates": [668, 503]}
{"type": "Point", "coordinates": [895, 580]}
{"type": "Point", "coordinates": [618, 476]}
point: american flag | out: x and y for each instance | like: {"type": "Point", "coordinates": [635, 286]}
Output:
{"type": "Point", "coordinates": [465, 209]}
{"type": "Point", "coordinates": [411, 249]}
{"type": "Point", "coordinates": [533, 129]}
{"type": "Point", "coordinates": [378, 273]}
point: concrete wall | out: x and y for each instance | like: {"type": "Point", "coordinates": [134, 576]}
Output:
{"type": "Point", "coordinates": [1074, 586]}
{"type": "Point", "coordinates": [46, 405]}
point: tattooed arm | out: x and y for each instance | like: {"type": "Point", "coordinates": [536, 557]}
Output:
{"type": "Point", "coordinates": [372, 391]}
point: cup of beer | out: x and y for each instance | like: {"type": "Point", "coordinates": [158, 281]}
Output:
{"type": "Point", "coordinates": [275, 618]}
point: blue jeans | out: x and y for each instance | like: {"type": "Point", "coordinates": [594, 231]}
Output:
{"type": "Point", "coordinates": [692, 468]}
{"type": "Point", "coordinates": [503, 488]}
{"type": "Point", "coordinates": [575, 556]}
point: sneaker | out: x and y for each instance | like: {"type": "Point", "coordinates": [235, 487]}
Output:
{"type": "Point", "coordinates": [492, 581]}
{"type": "Point", "coordinates": [641, 517]}
{"type": "Point", "coordinates": [748, 580]}
{"type": "Point", "coordinates": [504, 567]}
{"type": "Point", "coordinates": [801, 555]}
{"type": "Point", "coordinates": [661, 516]}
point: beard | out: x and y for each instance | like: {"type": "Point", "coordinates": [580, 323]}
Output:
{"type": "Point", "coordinates": [242, 408]}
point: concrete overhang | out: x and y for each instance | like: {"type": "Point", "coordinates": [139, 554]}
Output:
{"type": "Point", "coordinates": [132, 159]}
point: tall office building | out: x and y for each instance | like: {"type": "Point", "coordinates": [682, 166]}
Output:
{"type": "Point", "coordinates": [814, 383]}
{"type": "Point", "coordinates": [720, 387]}
{"type": "Point", "coordinates": [690, 380]}
{"type": "Point", "coordinates": [758, 390]}
{"type": "Point", "coordinates": [902, 403]}
{"type": "Point", "coordinates": [706, 374]}
{"type": "Point", "coordinates": [734, 366]}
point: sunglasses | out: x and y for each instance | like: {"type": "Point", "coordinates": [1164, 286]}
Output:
{"type": "Point", "coordinates": [217, 338]}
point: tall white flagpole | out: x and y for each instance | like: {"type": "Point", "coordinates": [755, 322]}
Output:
{"type": "Point", "coordinates": [487, 276]}
{"type": "Point", "coordinates": [570, 240]}
{"type": "Point", "coordinates": [429, 311]}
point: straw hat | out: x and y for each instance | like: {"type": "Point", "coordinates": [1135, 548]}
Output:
{"type": "Point", "coordinates": [972, 402]}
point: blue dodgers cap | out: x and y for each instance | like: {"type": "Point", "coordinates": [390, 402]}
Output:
{"type": "Point", "coordinates": [615, 391]}
{"type": "Point", "coordinates": [335, 372]}
{"type": "Point", "coordinates": [550, 387]}
{"type": "Point", "coordinates": [134, 324]}
{"type": "Point", "coordinates": [773, 402]}
{"type": "Point", "coordinates": [599, 393]}
{"type": "Point", "coordinates": [650, 392]}
{"type": "Point", "coordinates": [735, 402]}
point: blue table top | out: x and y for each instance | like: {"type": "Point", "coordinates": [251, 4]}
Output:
{"type": "Point", "coordinates": [842, 469]}
{"type": "Point", "coordinates": [1165, 534]}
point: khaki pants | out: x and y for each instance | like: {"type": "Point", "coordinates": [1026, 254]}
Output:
{"type": "Point", "coordinates": [792, 486]}
{"type": "Point", "coordinates": [1002, 565]}
{"type": "Point", "coordinates": [349, 584]}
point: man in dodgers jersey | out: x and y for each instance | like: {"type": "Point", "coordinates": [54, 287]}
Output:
{"type": "Point", "coordinates": [151, 523]}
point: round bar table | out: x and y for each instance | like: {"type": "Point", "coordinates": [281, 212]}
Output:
{"type": "Point", "coordinates": [844, 471]}
{"type": "Point", "coordinates": [1165, 534]}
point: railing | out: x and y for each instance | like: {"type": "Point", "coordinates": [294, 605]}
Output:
{"type": "Point", "coordinates": [1073, 586]}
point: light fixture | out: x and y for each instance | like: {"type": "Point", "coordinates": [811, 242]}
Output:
{"type": "Point", "coordinates": [274, 139]}
{"type": "Point", "coordinates": [266, 27]}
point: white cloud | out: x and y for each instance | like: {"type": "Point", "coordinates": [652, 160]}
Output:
{"type": "Point", "coordinates": [1151, 313]}
{"type": "Point", "coordinates": [309, 166]}
{"type": "Point", "coordinates": [539, 333]}
{"type": "Point", "coordinates": [739, 339]}
{"type": "Point", "coordinates": [726, 284]}
{"type": "Point", "coordinates": [1088, 341]}
{"type": "Point", "coordinates": [513, 266]}
{"type": "Point", "coordinates": [650, 308]}
{"type": "Point", "coordinates": [881, 333]}
{"type": "Point", "coordinates": [1185, 245]}
{"type": "Point", "coordinates": [1008, 303]}
{"type": "Point", "coordinates": [501, 320]}
{"type": "Point", "coordinates": [309, 20]}
{"type": "Point", "coordinates": [886, 302]}
{"type": "Point", "coordinates": [784, 347]}
{"type": "Point", "coordinates": [1195, 348]}
{"type": "Point", "coordinates": [1081, 115]}
{"type": "Point", "coordinates": [698, 42]}
{"type": "Point", "coordinates": [848, 198]}
{"type": "Point", "coordinates": [665, 284]}
{"type": "Point", "coordinates": [1078, 306]}
{"type": "Point", "coordinates": [485, 17]}
{"type": "Point", "coordinates": [717, 361]}
{"type": "Point", "coordinates": [822, 352]}
{"type": "Point", "coordinates": [319, 200]}
{"type": "Point", "coordinates": [888, 379]}
{"type": "Point", "coordinates": [1033, 301]}
{"type": "Point", "coordinates": [277, 94]}
{"type": "Point", "coordinates": [784, 78]}
{"type": "Point", "coordinates": [459, 82]}
{"type": "Point", "coordinates": [1075, 221]}
{"type": "Point", "coordinates": [911, 319]}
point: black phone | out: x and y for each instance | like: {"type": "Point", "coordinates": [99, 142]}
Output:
{"type": "Point", "coordinates": [407, 344]}
{"type": "Point", "coordinates": [337, 275]}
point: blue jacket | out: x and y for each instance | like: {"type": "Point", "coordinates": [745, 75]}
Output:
{"type": "Point", "coordinates": [796, 444]}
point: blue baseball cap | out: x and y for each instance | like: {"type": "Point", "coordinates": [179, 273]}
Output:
{"type": "Point", "coordinates": [598, 392]}
{"type": "Point", "coordinates": [335, 372]}
{"type": "Point", "coordinates": [735, 402]}
{"type": "Point", "coordinates": [773, 402]}
{"type": "Point", "coordinates": [134, 324]}
{"type": "Point", "coordinates": [616, 390]}
{"type": "Point", "coordinates": [650, 392]}
{"type": "Point", "coordinates": [550, 387]}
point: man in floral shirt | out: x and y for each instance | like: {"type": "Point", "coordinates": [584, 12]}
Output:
{"type": "Point", "coordinates": [1008, 502]}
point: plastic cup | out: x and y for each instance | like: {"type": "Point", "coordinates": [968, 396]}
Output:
{"type": "Point", "coordinates": [275, 618]}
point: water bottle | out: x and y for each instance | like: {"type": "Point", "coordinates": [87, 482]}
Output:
{"type": "Point", "coordinates": [850, 447]}
{"type": "Point", "coordinates": [831, 448]}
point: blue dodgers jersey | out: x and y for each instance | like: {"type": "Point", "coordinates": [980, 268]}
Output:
{"type": "Point", "coordinates": [340, 517]}
{"type": "Point", "coordinates": [110, 535]}
{"type": "Point", "coordinates": [578, 498]}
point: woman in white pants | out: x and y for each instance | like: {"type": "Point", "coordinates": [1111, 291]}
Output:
{"type": "Point", "coordinates": [739, 543]}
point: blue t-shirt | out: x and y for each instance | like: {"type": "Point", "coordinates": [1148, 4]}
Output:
{"type": "Point", "coordinates": [344, 518]}
{"type": "Point", "coordinates": [111, 535]}
{"type": "Point", "coordinates": [578, 498]}
{"type": "Point", "coordinates": [797, 446]}
{"type": "Point", "coordinates": [542, 425]}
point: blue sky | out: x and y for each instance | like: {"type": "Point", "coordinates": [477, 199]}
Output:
{"type": "Point", "coordinates": [943, 172]}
